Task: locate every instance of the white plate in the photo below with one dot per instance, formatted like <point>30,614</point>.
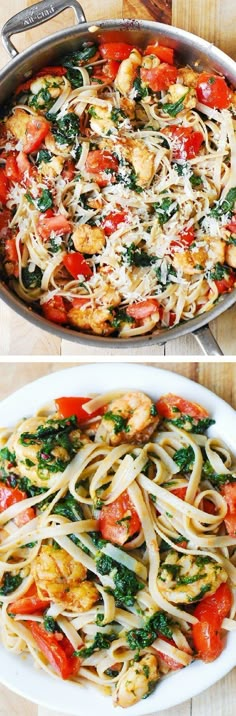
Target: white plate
<point>18,672</point>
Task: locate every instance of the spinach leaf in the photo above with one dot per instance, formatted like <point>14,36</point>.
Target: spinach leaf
<point>32,279</point>
<point>9,583</point>
<point>138,257</point>
<point>184,458</point>
<point>51,625</point>
<point>75,77</point>
<point>69,508</point>
<point>66,129</point>
<point>173,108</point>
<point>158,624</point>
<point>85,52</point>
<point>120,423</point>
<point>27,486</point>
<point>224,207</point>
<point>121,317</point>
<point>165,209</point>
<point>192,425</point>
<point>43,156</point>
<point>219,271</point>
<point>141,90</point>
<point>45,201</point>
<point>101,641</point>
<point>6,454</point>
<point>117,115</point>
<point>42,100</point>
<point>126,583</point>
<point>216,479</point>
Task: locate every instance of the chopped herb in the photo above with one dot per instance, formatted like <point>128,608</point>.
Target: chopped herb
<point>75,77</point>
<point>220,271</point>
<point>31,490</point>
<point>101,641</point>
<point>6,454</point>
<point>9,583</point>
<point>137,257</point>
<point>206,588</point>
<point>141,90</point>
<point>99,619</point>
<point>190,580</point>
<point>42,100</point>
<point>92,112</point>
<point>68,507</point>
<point>184,458</point>
<point>224,207</point>
<point>153,410</point>
<point>117,115</point>
<point>43,156</point>
<point>201,560</point>
<point>216,479</point>
<point>121,317</point>
<point>146,670</point>
<point>66,129</point>
<point>120,423</point>
<point>51,625</point>
<point>192,425</point>
<point>165,209</point>
<point>158,624</point>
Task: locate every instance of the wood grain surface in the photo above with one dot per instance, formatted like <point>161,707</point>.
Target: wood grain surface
<point>220,700</point>
<point>214,19</point>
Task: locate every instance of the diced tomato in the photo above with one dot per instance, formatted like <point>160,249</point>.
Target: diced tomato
<point>143,309</point>
<point>27,171</point>
<point>10,251</point>
<point>119,520</point>
<point>186,142</point>
<point>210,612</point>
<point>55,310</point>
<point>107,72</point>
<point>171,663</point>
<point>209,507</point>
<point>171,406</point>
<point>76,265</point>
<point>231,226</point>
<point>74,661</point>
<point>165,54</point>
<point>11,167</point>
<point>54,651</point>
<point>186,238</point>
<point>10,496</point>
<point>36,131</point>
<point>112,221</point>
<point>4,186</point>
<point>179,492</point>
<point>24,86</point>
<point>225,285</point>
<point>78,302</point>
<point>57,223</point>
<point>5,218</point>
<point>73,406</point>
<point>52,70</point>
<point>159,78</point>
<point>29,603</point>
<point>68,170</point>
<point>229,493</point>
<point>213,91</point>
<point>98,162</point>
<point>115,50</point>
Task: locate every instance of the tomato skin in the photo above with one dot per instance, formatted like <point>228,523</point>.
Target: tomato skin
<point>211,611</point>
<point>173,665</point>
<point>97,162</point>
<point>76,265</point>
<point>225,285</point>
<point>231,226</point>
<point>54,310</point>
<point>143,309</point>
<point>73,406</point>
<point>116,50</point>
<point>165,54</point>
<point>108,71</point>
<point>11,168</point>
<point>29,603</point>
<point>229,493</point>
<point>159,78</point>
<point>10,496</point>
<point>112,221</point>
<point>4,186</point>
<point>186,142</point>
<point>54,651</point>
<point>110,524</point>
<point>167,402</point>
<point>56,223</point>
<point>179,492</point>
<point>58,71</point>
<point>213,91</point>
<point>36,131</point>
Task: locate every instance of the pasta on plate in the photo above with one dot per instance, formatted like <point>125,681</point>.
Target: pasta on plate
<point>118,190</point>
<point>117,543</point>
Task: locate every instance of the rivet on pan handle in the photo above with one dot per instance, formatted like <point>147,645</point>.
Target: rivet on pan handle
<point>207,342</point>
<point>36,15</point>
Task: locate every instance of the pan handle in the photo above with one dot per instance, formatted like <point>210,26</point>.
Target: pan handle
<point>36,15</point>
<point>207,342</point>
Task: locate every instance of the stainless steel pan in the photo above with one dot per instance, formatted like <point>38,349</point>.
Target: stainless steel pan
<point>190,49</point>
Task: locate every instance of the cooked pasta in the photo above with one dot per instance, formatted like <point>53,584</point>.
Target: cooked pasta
<point>118,189</point>
<point>117,544</point>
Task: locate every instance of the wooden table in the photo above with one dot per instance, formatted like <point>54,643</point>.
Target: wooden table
<point>219,377</point>
<point>213,19</point>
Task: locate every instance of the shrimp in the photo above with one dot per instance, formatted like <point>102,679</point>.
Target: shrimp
<point>137,682</point>
<point>127,72</point>
<point>89,239</point>
<point>178,91</point>
<point>53,168</point>
<point>193,260</point>
<point>99,320</point>
<point>131,418</point>
<point>17,123</point>
<point>58,576</point>
<point>53,85</point>
<point>100,120</point>
<point>183,580</point>
<point>231,255</point>
<point>188,77</point>
<point>142,159</point>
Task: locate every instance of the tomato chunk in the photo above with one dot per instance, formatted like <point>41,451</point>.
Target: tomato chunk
<point>54,310</point>
<point>186,142</point>
<point>206,633</point>
<point>4,186</point>
<point>119,520</point>
<point>58,71</point>
<point>143,309</point>
<point>229,493</point>
<point>186,238</point>
<point>213,91</point>
<point>29,603</point>
<point>179,492</point>
<point>112,222</point>
<point>225,284</point>
<point>10,496</point>
<point>76,265</point>
<point>98,163</point>
<point>231,226</point>
<point>73,406</point>
<point>58,224</point>
<point>115,50</point>
<point>159,78</point>
<point>55,652</point>
<point>36,131</point>
<point>170,406</point>
<point>11,167</point>
<point>165,54</point>
<point>5,218</point>
<point>107,72</point>
<point>173,665</point>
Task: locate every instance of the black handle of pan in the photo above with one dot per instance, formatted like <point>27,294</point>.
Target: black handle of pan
<point>207,342</point>
<point>36,15</point>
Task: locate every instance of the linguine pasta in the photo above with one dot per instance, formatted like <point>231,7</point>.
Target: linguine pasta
<point>117,538</point>
<point>118,190</point>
